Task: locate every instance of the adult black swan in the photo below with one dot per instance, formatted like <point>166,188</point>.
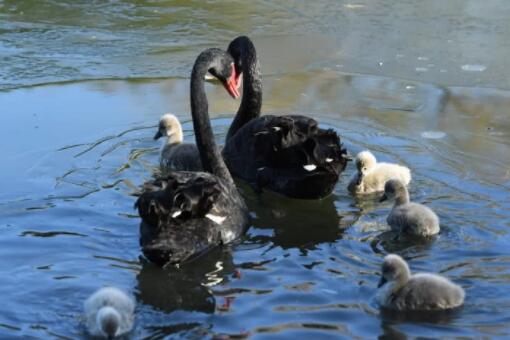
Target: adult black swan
<point>290,155</point>
<point>187,213</point>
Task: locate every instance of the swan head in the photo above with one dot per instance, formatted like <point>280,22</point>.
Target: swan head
<point>365,161</point>
<point>108,320</point>
<point>170,127</point>
<point>224,69</point>
<point>240,48</point>
<point>394,270</point>
<point>395,189</point>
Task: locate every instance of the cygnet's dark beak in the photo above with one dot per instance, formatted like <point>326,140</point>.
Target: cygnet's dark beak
<point>360,178</point>
<point>382,281</point>
<point>158,135</point>
<point>383,198</point>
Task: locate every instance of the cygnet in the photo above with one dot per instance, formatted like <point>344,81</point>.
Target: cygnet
<point>109,313</point>
<point>407,217</point>
<point>401,291</point>
<point>371,175</point>
<point>176,155</point>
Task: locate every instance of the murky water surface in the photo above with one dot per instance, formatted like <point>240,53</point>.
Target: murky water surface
<point>421,83</point>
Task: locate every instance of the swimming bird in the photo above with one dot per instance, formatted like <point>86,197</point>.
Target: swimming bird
<point>176,155</point>
<point>109,313</point>
<point>407,217</point>
<point>399,290</point>
<point>372,175</point>
<point>187,213</point>
<point>290,154</point>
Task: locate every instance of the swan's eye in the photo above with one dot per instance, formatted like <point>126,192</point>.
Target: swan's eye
<point>213,73</point>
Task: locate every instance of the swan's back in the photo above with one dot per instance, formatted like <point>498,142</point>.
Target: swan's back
<point>427,291</point>
<point>375,180</point>
<point>176,155</point>
<point>383,172</point>
<point>413,218</point>
<point>180,157</point>
<point>186,214</point>
<point>287,154</point>
<point>104,302</point>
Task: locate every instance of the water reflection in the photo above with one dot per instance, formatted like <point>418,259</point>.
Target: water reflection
<point>436,317</point>
<point>390,320</point>
<point>308,268</point>
<point>187,287</point>
<point>299,224</point>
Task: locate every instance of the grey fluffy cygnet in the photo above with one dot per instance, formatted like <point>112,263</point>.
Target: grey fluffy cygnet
<point>372,175</point>
<point>407,217</point>
<point>109,313</point>
<point>176,155</point>
<point>399,290</point>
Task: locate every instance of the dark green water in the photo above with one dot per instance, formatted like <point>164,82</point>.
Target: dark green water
<point>83,84</point>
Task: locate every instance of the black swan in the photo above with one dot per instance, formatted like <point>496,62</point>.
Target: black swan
<point>176,155</point>
<point>290,155</point>
<point>187,213</point>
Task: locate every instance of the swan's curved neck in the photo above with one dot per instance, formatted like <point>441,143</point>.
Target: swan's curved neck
<point>209,152</point>
<point>175,136</point>
<point>251,102</point>
<point>402,198</point>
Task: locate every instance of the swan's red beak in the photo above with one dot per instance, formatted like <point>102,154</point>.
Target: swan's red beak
<point>232,84</point>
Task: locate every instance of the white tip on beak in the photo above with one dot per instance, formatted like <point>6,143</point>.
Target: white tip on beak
<point>310,167</point>
<point>277,128</point>
<point>215,218</point>
<point>329,160</point>
<point>177,213</point>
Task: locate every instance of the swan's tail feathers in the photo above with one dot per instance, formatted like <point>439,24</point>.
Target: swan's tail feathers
<point>180,196</point>
<point>196,198</point>
<point>329,151</point>
<point>297,141</point>
<point>153,207</point>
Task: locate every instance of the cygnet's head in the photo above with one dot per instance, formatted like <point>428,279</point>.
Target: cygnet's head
<point>170,127</point>
<point>395,189</point>
<point>365,161</point>
<point>394,269</point>
<point>108,320</point>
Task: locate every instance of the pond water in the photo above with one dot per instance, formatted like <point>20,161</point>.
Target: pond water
<point>420,83</point>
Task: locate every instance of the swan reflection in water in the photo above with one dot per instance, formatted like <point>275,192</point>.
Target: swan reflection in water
<point>390,319</point>
<point>296,223</point>
<point>185,288</point>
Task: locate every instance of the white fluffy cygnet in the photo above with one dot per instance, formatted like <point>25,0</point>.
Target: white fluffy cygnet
<point>407,217</point>
<point>371,175</point>
<point>176,155</point>
<point>399,290</point>
<point>109,313</point>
